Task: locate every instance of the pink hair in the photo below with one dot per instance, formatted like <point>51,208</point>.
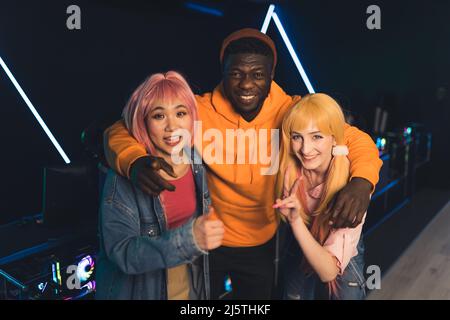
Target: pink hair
<point>163,88</point>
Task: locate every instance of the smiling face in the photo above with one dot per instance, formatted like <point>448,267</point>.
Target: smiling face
<point>164,122</point>
<point>312,148</point>
<point>246,80</point>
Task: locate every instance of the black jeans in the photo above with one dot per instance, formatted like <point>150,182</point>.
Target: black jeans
<point>251,270</point>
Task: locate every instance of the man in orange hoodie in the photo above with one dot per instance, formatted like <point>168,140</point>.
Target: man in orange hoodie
<point>242,195</point>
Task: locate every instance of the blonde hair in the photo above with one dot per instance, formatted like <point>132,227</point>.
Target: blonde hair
<point>325,113</point>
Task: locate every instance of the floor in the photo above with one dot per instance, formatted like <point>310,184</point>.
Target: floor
<point>423,270</point>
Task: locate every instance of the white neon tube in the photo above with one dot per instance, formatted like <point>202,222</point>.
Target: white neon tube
<point>33,110</point>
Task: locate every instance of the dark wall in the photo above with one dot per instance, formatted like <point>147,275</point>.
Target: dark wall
<point>407,58</point>
<point>75,78</point>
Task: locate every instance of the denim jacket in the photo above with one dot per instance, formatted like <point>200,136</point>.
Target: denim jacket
<point>299,286</point>
<point>136,248</point>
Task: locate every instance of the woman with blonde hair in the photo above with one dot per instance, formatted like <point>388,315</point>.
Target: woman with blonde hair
<point>323,262</point>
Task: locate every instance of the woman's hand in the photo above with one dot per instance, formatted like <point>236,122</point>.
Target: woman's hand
<point>208,231</point>
<point>289,206</point>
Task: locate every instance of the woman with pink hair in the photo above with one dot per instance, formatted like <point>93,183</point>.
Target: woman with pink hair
<point>153,247</point>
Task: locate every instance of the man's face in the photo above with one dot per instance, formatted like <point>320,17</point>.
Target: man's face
<point>246,80</point>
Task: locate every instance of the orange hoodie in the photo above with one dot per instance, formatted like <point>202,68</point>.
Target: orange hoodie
<point>241,196</point>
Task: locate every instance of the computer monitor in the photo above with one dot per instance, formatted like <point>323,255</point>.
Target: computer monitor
<point>70,195</point>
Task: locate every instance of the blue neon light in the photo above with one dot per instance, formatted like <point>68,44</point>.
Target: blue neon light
<point>204,9</point>
<point>292,52</point>
<point>378,143</point>
<point>228,286</point>
<point>42,286</point>
<point>288,44</point>
<point>55,280</point>
<point>11,279</point>
<point>267,19</point>
<point>33,110</point>
<point>387,216</point>
<point>389,186</point>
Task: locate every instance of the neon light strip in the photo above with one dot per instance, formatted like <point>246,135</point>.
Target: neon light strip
<point>387,216</point>
<point>55,280</point>
<point>14,281</point>
<point>386,188</point>
<point>292,52</point>
<point>33,110</point>
<point>288,44</point>
<point>58,272</point>
<point>204,9</point>
<point>267,19</point>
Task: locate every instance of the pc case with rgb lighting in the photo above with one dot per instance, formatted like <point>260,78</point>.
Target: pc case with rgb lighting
<point>63,274</point>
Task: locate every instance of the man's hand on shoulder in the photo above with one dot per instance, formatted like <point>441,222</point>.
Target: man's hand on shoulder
<point>350,204</point>
<point>144,174</point>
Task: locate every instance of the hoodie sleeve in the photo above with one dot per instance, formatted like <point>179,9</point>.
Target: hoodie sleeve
<point>121,149</point>
<point>363,155</point>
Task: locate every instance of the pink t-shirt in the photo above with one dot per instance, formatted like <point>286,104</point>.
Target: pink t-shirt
<point>179,205</point>
<point>342,243</point>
